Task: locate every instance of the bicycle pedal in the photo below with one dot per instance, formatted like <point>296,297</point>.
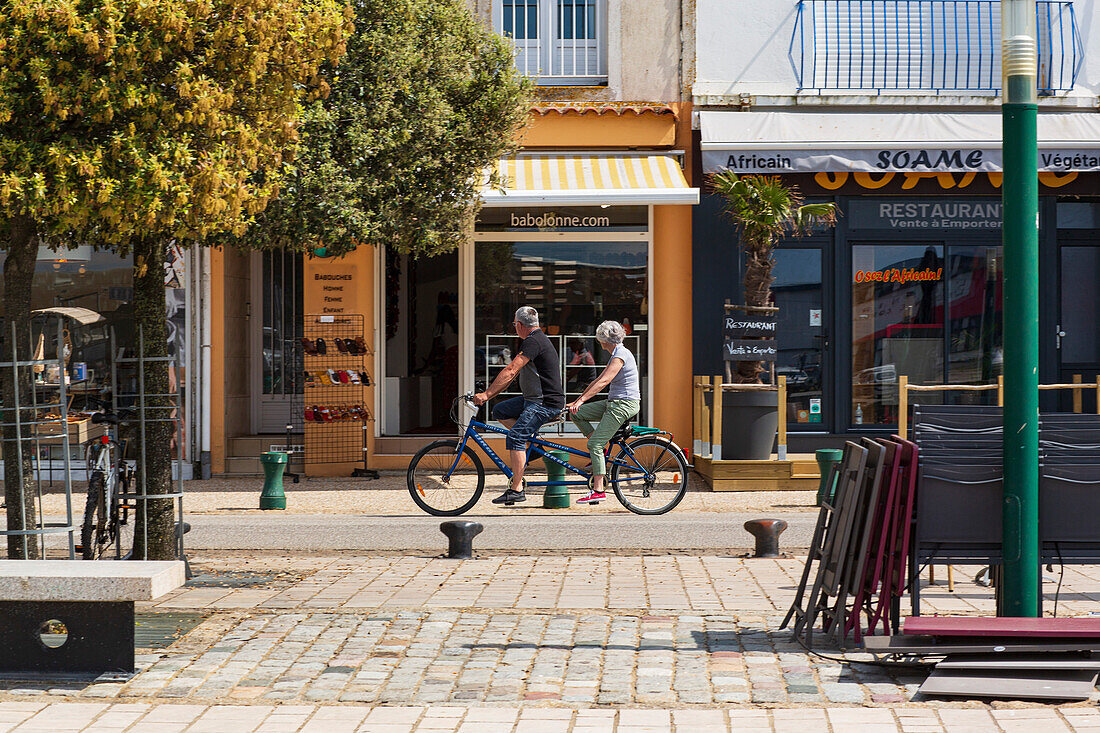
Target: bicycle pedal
<point>509,503</point>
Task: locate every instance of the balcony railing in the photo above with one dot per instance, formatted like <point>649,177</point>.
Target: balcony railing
<point>558,42</point>
<point>928,45</point>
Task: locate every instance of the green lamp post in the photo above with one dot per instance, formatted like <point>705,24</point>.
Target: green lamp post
<point>1020,231</point>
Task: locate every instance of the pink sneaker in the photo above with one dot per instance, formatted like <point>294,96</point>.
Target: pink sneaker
<point>593,497</point>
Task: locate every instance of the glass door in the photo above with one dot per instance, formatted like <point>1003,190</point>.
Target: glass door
<point>277,364</point>
<point>1077,338</point>
<point>803,338</point>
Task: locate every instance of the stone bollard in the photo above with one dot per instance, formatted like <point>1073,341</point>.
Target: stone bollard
<point>766,532</point>
<point>460,538</point>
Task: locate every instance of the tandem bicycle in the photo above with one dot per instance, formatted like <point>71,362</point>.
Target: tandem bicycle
<point>647,471</point>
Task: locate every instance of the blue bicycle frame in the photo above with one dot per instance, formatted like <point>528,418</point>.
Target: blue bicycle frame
<point>535,449</point>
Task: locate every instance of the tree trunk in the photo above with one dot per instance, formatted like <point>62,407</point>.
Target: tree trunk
<point>154,518</point>
<point>19,493</point>
<point>758,287</point>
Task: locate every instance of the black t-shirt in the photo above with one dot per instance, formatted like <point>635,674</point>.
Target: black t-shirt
<point>540,379</point>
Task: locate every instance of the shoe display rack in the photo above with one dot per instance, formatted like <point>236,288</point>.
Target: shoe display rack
<point>337,377</point>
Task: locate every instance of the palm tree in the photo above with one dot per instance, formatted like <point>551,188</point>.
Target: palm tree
<point>766,211</point>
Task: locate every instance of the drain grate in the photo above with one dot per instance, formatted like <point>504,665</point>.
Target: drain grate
<point>159,630</point>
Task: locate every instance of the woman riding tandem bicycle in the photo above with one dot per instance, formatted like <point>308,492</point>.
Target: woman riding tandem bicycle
<point>644,467</point>
<point>624,400</point>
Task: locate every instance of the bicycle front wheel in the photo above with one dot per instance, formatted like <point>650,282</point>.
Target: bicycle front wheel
<point>444,481</point>
<point>94,532</point>
<point>650,477</point>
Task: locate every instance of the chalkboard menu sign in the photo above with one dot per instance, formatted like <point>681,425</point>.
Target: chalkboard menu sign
<point>749,338</point>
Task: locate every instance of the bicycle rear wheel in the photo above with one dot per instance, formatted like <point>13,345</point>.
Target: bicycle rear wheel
<point>659,480</point>
<point>444,482</point>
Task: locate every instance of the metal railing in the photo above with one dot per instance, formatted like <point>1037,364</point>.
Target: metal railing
<point>557,42</point>
<point>926,45</point>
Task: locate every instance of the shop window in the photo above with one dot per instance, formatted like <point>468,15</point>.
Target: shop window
<point>897,325</point>
<point>973,286</point>
<point>102,282</point>
<point>931,317</point>
<point>574,286</point>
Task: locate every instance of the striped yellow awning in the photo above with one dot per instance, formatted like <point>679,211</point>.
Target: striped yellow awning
<point>578,180</point>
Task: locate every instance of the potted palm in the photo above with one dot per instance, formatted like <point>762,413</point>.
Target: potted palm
<point>764,211</point>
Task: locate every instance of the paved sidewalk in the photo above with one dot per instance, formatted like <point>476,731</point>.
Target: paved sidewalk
<point>151,718</point>
<point>532,643</point>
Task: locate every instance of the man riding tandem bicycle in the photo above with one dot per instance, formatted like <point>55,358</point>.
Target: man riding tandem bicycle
<point>647,471</point>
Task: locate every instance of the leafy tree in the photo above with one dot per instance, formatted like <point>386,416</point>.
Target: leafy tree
<point>130,123</point>
<point>425,101</point>
<point>765,210</point>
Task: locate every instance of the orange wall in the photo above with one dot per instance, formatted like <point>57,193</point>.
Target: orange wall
<point>670,318</point>
<point>609,130</point>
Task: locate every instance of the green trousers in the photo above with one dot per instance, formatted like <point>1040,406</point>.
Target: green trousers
<point>611,414</point>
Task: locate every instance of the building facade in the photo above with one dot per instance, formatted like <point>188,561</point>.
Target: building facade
<point>593,222</point>
<point>890,109</point>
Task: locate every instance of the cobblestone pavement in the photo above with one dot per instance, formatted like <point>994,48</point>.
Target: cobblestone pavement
<point>672,583</point>
<point>23,717</point>
<point>533,643</point>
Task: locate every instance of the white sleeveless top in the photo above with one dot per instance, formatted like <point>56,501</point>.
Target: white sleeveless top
<point>625,384</point>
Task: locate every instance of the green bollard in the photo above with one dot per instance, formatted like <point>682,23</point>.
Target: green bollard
<point>826,457</point>
<point>556,497</point>
<point>273,497</point>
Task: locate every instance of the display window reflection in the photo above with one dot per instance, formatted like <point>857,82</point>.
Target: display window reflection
<point>574,286</point>
<point>974,311</point>
<point>897,325</point>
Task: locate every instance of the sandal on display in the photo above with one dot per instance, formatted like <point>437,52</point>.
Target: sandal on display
<point>321,348</point>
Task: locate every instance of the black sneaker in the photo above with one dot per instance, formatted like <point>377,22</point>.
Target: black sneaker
<point>510,497</point>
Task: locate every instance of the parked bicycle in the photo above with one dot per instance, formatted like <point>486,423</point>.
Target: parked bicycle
<point>646,469</point>
<point>109,475</point>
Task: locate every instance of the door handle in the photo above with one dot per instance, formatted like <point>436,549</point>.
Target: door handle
<point>1058,336</point>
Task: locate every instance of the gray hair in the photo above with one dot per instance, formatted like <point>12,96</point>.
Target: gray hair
<point>611,332</point>
<point>528,316</point>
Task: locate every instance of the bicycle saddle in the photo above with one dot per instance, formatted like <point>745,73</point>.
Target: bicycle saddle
<point>105,417</point>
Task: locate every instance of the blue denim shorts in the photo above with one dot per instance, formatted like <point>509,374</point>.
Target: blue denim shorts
<point>529,417</point>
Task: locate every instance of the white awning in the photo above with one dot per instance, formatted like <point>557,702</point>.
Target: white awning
<point>793,142</point>
<point>82,316</point>
<point>590,179</point>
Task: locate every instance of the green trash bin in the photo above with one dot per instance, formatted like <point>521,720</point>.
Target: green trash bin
<point>274,464</point>
<point>556,497</point>
<point>826,457</point>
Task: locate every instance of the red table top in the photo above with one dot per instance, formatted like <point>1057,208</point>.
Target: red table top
<point>1001,626</point>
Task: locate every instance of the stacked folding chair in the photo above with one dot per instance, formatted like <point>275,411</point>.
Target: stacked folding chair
<point>888,548</point>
